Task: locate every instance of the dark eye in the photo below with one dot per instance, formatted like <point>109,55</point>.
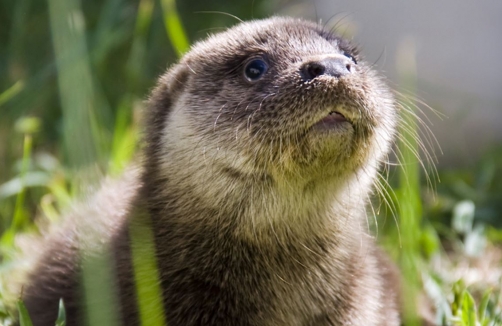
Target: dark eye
<point>350,56</point>
<point>255,69</point>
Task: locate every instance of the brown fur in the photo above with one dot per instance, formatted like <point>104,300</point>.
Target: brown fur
<point>258,217</point>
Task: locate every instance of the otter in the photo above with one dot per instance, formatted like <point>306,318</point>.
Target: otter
<point>262,146</point>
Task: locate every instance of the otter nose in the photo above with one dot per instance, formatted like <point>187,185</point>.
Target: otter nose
<point>333,66</point>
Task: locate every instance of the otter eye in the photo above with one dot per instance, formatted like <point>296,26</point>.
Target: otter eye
<point>350,56</point>
<point>255,69</point>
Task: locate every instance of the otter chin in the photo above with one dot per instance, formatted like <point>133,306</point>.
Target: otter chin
<point>262,148</point>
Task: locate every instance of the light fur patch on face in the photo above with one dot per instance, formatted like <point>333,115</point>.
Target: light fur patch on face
<point>198,163</point>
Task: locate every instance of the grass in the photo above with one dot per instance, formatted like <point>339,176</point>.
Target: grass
<point>70,112</point>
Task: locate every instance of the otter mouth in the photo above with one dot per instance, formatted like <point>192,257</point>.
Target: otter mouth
<point>333,120</point>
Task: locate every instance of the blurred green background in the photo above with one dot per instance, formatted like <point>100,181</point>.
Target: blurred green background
<point>73,78</point>
<point>110,56</point>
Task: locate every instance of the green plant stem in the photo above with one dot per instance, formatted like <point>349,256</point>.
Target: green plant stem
<point>11,92</point>
<point>75,83</point>
<point>174,29</point>
<point>408,192</point>
<point>146,275</point>
<point>19,219</point>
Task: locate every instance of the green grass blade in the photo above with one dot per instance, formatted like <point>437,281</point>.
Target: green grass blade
<point>20,218</point>
<point>174,29</point>
<point>408,192</point>
<point>11,92</point>
<point>74,81</point>
<point>144,18</point>
<point>468,309</point>
<point>24,317</point>
<point>483,306</point>
<point>101,299</point>
<point>146,274</point>
<point>139,48</point>
<point>61,320</point>
<point>125,138</point>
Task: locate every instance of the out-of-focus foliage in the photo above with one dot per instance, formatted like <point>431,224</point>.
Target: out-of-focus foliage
<point>121,45</point>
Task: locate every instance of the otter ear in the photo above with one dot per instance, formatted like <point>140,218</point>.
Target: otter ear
<point>175,79</point>
<point>169,87</point>
<point>164,95</point>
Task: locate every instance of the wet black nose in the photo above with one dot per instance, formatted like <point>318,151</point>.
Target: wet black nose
<point>334,67</point>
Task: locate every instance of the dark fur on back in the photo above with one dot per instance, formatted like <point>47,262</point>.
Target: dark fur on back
<point>258,217</point>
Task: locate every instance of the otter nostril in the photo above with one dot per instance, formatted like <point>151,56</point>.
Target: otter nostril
<point>331,66</point>
<point>313,70</point>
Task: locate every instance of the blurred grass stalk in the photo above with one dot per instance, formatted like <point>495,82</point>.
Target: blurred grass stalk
<point>20,218</point>
<point>125,132</point>
<point>174,29</point>
<point>75,83</point>
<point>408,191</point>
<point>81,132</point>
<point>11,92</point>
<point>146,275</point>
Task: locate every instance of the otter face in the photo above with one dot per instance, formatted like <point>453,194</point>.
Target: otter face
<point>281,96</point>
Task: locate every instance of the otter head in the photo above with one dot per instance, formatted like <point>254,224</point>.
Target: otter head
<point>280,99</point>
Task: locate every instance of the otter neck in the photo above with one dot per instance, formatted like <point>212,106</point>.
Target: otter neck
<point>258,206</point>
